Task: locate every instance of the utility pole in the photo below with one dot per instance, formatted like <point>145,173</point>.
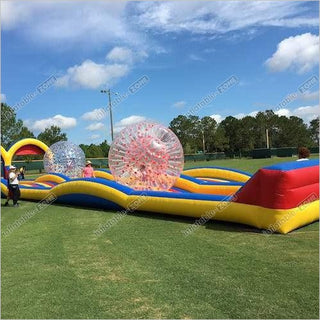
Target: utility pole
<point>110,110</point>
<point>267,138</point>
<point>203,143</point>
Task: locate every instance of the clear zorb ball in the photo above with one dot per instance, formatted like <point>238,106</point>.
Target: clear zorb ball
<point>146,156</point>
<point>64,157</point>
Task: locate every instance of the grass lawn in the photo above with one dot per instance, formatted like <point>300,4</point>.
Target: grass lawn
<point>54,266</point>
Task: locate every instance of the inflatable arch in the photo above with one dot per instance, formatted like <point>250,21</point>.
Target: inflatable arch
<point>28,146</point>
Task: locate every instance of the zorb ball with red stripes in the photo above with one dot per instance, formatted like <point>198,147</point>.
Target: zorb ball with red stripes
<point>146,156</point>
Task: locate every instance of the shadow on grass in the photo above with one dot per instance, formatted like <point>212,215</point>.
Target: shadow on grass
<point>216,225</point>
<point>187,221</point>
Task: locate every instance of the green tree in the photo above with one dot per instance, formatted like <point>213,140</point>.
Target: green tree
<point>84,148</point>
<point>180,126</point>
<point>247,132</point>
<point>232,128</point>
<point>188,130</point>
<point>52,135</point>
<point>187,149</point>
<point>25,133</point>
<point>94,151</point>
<point>314,131</point>
<point>208,129</point>
<point>105,148</point>
<point>12,129</point>
<point>265,120</point>
<point>292,132</point>
<point>221,141</point>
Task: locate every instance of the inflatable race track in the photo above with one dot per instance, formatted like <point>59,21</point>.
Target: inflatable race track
<point>278,198</point>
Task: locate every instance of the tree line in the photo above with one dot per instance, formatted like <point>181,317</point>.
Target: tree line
<point>239,135</point>
<point>96,151</point>
<point>195,134</point>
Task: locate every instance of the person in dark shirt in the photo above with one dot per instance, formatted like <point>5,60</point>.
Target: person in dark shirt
<point>303,154</point>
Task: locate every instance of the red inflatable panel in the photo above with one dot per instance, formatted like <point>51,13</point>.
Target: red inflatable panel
<point>278,189</point>
<point>28,150</point>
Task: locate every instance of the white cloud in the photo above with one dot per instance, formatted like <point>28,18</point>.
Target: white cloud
<point>253,113</point>
<point>310,96</point>
<point>120,54</point>
<point>195,57</point>
<point>179,104</point>
<point>239,115</point>
<point>217,117</point>
<point>94,115</point>
<point>283,112</point>
<point>209,50</point>
<point>13,14</point>
<point>58,120</point>
<point>53,22</point>
<point>218,17</point>
<point>91,75</point>
<point>113,22</point>
<point>242,115</point>
<point>307,113</point>
<point>3,97</point>
<point>299,53</point>
<point>127,55</point>
<point>94,136</point>
<point>95,126</point>
<point>127,121</point>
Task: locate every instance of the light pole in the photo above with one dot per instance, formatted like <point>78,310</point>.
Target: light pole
<point>267,138</point>
<point>110,109</point>
<point>203,143</point>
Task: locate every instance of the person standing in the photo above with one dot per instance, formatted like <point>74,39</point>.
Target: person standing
<point>303,154</point>
<point>22,171</point>
<point>9,195</point>
<point>88,171</point>
<point>13,186</point>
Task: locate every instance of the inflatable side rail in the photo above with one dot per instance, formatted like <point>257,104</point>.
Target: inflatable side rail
<point>194,185</point>
<point>53,177</point>
<point>218,172</point>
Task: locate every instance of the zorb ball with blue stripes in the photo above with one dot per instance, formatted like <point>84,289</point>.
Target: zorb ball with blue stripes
<point>66,158</point>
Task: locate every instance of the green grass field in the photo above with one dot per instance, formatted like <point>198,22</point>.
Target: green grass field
<point>54,266</point>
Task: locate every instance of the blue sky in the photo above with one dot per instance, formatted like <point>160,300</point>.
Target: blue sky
<point>186,49</point>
